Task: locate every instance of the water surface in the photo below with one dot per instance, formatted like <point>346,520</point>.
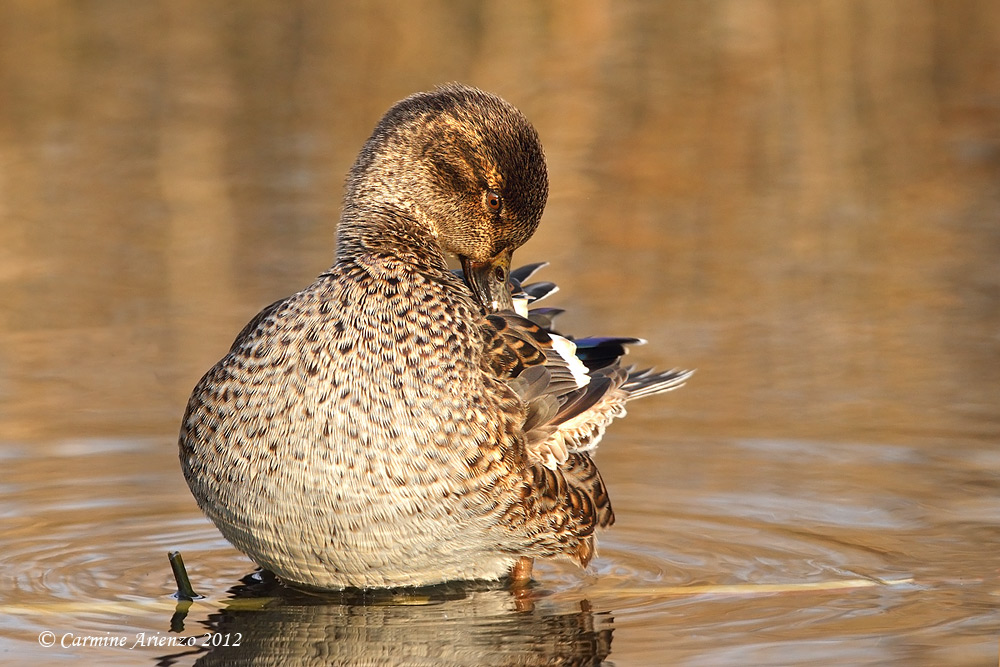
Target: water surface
<point>801,200</point>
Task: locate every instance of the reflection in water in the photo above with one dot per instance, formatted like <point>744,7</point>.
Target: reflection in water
<point>728,561</point>
<point>443,625</point>
<point>800,199</point>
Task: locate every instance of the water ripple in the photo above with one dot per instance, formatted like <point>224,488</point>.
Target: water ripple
<point>87,531</point>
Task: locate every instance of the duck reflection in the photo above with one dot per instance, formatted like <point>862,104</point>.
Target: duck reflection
<point>452,624</point>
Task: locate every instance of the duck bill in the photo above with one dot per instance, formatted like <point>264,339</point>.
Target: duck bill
<point>489,281</point>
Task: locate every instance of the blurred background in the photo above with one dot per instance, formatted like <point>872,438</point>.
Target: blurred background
<point>799,199</point>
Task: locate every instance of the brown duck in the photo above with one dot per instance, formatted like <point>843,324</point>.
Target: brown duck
<point>400,424</point>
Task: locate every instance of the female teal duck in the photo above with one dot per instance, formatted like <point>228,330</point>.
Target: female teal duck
<point>399,424</point>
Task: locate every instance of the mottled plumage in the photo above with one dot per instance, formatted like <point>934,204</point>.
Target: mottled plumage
<point>398,424</point>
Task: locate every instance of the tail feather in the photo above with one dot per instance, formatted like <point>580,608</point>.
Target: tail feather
<point>649,382</point>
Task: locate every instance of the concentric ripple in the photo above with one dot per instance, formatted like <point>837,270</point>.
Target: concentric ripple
<point>712,564</point>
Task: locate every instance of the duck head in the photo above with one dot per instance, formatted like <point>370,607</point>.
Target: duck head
<point>455,170</point>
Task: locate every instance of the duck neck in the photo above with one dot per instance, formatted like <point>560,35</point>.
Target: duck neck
<point>390,232</point>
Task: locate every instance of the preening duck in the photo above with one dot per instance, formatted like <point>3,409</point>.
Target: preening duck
<point>400,424</point>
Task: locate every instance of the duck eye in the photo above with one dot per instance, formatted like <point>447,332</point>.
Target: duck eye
<point>499,274</point>
<point>493,201</point>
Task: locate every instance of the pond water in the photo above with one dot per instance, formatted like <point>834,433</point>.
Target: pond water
<point>800,200</point>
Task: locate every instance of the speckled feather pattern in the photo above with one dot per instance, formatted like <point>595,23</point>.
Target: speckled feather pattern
<point>377,428</point>
<point>337,449</point>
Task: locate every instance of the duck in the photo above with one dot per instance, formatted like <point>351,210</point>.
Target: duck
<point>399,423</point>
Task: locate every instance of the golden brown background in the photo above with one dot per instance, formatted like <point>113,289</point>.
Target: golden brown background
<point>801,199</point>
<point>798,198</point>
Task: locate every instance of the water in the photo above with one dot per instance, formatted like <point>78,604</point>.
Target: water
<point>799,199</point>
